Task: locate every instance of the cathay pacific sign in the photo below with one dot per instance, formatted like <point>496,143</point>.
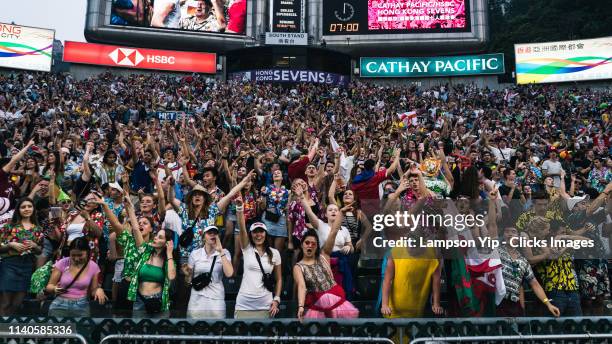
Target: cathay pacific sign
<point>413,67</point>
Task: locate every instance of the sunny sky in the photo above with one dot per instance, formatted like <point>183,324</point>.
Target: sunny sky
<point>66,17</point>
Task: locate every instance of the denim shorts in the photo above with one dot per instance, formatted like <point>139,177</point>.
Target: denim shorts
<point>276,229</point>
<point>139,310</point>
<point>64,307</point>
<point>568,302</point>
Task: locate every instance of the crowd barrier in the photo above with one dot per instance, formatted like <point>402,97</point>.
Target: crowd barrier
<point>95,330</point>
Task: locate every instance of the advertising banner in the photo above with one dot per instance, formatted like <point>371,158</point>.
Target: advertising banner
<point>281,38</point>
<point>172,115</point>
<point>25,47</point>
<point>413,67</point>
<point>585,59</point>
<point>287,15</point>
<point>115,56</point>
<point>367,17</point>
<point>407,15</point>
<point>286,75</point>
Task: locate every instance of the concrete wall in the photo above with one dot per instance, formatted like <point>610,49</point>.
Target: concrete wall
<point>81,72</point>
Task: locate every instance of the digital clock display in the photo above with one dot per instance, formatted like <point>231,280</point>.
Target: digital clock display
<point>340,27</point>
<point>353,17</point>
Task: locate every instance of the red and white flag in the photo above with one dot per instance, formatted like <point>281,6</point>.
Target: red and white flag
<point>409,118</point>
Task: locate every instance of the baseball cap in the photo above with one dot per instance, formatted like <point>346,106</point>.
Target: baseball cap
<point>211,228</point>
<point>571,203</point>
<point>258,225</point>
<point>115,186</point>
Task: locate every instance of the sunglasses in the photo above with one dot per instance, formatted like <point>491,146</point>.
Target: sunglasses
<point>310,243</point>
<point>65,202</point>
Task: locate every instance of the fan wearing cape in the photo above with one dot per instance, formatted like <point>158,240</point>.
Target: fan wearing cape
<point>476,280</point>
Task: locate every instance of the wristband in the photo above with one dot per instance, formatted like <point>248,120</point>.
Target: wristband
<point>546,300</point>
<point>240,209</point>
<point>277,299</point>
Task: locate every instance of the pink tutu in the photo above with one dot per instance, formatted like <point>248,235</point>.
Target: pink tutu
<point>345,310</point>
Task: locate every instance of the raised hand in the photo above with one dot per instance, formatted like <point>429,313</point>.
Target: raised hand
<point>494,194</point>
<point>169,248</point>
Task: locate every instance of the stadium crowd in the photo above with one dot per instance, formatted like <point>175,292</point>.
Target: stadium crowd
<point>263,182</point>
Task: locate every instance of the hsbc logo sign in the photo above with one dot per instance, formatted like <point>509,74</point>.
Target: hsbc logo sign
<point>141,58</point>
<point>126,57</point>
<point>133,57</point>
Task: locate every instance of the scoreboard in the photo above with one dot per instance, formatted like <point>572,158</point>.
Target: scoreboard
<point>358,17</point>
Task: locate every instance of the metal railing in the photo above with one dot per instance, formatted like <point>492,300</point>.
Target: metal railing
<point>76,336</point>
<point>276,339</point>
<point>555,337</point>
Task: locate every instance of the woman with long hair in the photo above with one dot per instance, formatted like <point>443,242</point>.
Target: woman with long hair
<point>249,195</point>
<point>342,249</point>
<point>154,272</point>
<point>123,247</point>
<point>110,170</point>
<point>22,240</point>
<point>296,214</point>
<point>31,175</point>
<point>413,153</point>
<point>355,221</point>
<point>259,294</point>
<point>273,201</point>
<point>72,279</point>
<point>85,221</point>
<point>54,163</point>
<point>153,264</point>
<point>318,292</point>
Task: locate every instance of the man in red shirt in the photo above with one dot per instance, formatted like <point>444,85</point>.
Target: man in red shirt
<point>365,184</point>
<point>297,169</point>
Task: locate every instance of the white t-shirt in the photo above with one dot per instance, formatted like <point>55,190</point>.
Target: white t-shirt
<point>200,262</point>
<point>502,153</point>
<point>343,236</point>
<point>253,296</point>
<point>553,167</point>
<point>173,221</point>
<point>346,166</point>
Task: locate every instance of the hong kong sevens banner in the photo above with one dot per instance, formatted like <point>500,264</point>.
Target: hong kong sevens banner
<point>585,59</point>
<point>287,75</point>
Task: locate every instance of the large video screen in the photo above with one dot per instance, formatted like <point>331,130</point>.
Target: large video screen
<point>350,17</point>
<point>218,16</point>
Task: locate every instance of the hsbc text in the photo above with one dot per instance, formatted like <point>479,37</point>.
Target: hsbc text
<point>160,59</point>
